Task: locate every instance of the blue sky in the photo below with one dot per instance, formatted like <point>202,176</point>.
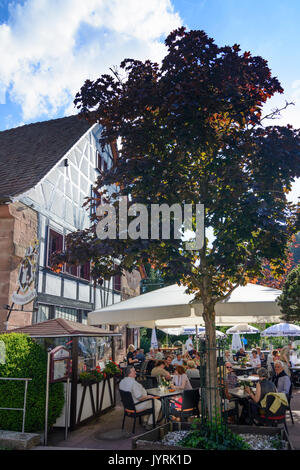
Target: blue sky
<point>49,47</point>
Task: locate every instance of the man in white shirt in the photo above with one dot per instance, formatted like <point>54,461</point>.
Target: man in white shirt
<point>189,345</point>
<point>139,394</point>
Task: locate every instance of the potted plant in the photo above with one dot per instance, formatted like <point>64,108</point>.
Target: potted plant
<point>112,368</point>
<point>91,377</point>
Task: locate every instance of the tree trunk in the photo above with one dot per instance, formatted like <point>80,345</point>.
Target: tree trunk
<point>213,398</point>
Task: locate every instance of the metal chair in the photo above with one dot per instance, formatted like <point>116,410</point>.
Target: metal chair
<point>131,412</point>
<point>149,382</point>
<point>289,397</point>
<point>266,417</point>
<point>188,407</point>
<point>196,382</point>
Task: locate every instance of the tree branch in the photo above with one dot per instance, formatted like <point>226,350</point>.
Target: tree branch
<point>275,114</point>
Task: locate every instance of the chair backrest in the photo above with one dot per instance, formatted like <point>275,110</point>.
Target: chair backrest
<point>279,416</point>
<point>195,382</point>
<point>151,382</point>
<point>127,400</point>
<point>150,366</point>
<point>190,399</point>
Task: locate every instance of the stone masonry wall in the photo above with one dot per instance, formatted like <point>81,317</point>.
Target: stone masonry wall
<point>18,228</point>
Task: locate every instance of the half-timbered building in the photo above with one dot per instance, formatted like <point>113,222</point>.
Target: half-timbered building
<point>47,169</point>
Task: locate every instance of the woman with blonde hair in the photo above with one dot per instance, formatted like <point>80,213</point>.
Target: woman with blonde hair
<point>191,370</point>
<point>130,355</point>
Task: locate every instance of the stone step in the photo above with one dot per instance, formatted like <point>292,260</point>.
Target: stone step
<point>18,440</point>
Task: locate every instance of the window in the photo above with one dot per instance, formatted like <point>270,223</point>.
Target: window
<point>85,271</point>
<point>71,269</point>
<point>117,282</point>
<point>55,243</point>
<point>96,200</point>
<point>43,314</point>
<point>66,313</point>
<point>98,161</point>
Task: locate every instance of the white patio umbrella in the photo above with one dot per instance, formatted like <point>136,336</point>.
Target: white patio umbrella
<point>154,343</point>
<point>236,343</point>
<point>219,334</point>
<point>242,329</point>
<point>193,330</point>
<point>173,331</point>
<point>171,307</point>
<point>282,329</point>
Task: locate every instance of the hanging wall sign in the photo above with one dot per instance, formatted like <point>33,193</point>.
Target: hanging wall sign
<point>26,291</point>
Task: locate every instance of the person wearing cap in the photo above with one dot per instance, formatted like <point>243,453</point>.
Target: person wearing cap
<point>263,386</point>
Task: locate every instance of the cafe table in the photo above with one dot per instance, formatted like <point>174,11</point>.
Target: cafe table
<point>247,370</point>
<point>239,392</point>
<point>163,396</point>
<point>248,378</point>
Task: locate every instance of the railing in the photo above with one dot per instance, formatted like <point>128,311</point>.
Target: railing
<point>25,397</point>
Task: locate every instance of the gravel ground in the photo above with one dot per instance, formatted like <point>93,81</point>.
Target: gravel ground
<point>257,442</point>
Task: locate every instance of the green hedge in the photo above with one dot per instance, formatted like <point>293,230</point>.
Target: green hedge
<point>25,358</point>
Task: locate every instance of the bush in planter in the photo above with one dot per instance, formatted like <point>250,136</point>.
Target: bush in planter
<point>211,436</point>
<point>25,358</point>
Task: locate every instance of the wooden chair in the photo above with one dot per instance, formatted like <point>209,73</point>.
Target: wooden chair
<point>131,412</point>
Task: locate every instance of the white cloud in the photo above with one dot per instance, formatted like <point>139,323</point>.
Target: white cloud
<point>50,47</point>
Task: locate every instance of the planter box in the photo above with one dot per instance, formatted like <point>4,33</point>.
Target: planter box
<point>150,440</point>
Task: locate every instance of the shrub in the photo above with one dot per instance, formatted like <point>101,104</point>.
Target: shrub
<point>26,359</point>
<point>213,436</point>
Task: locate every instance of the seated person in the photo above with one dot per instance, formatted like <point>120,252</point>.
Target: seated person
<point>254,359</point>
<point>139,394</point>
<point>140,355</point>
<point>285,358</point>
<point>260,354</point>
<point>263,386</point>
<point>281,379</point>
<point>197,359</point>
<point>231,379</point>
<point>159,356</point>
<point>191,370</point>
<point>181,380</point>
<point>159,370</point>
<point>168,365</point>
<point>150,354</point>
<point>240,353</point>
<point>177,361</point>
<point>272,358</point>
<point>131,356</point>
<point>228,357</point>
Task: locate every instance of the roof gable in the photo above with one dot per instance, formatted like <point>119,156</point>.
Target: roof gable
<point>28,153</point>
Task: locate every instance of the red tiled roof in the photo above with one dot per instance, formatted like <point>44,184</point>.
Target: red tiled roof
<point>61,327</point>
